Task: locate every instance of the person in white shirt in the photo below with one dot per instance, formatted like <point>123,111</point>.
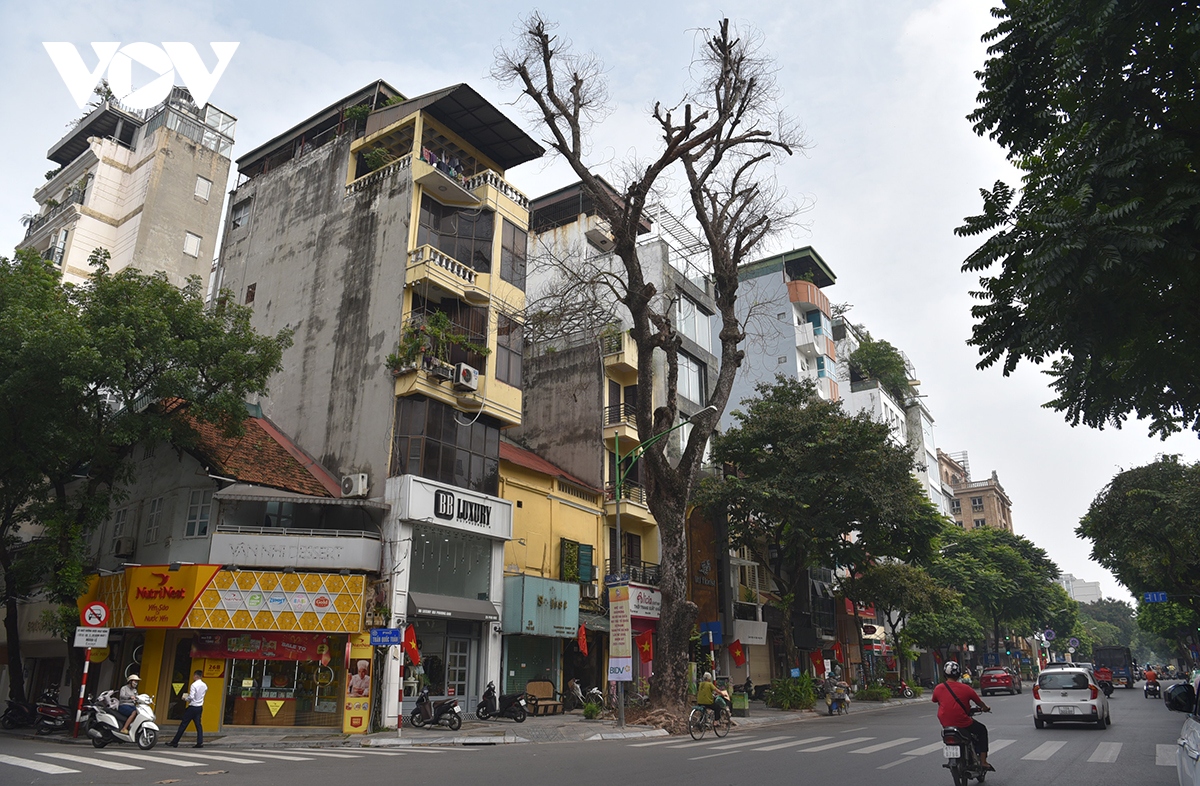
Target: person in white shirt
<point>195,708</point>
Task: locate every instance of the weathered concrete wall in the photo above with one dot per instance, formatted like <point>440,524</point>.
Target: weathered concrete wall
<point>330,267</point>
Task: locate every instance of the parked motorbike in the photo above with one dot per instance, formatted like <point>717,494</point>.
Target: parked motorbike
<point>104,724</point>
<point>51,716</point>
<point>575,696</point>
<point>1152,690</point>
<point>436,713</point>
<point>19,714</point>
<point>959,751</point>
<point>512,705</point>
<point>899,690</point>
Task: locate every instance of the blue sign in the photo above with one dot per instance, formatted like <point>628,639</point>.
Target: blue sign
<point>795,672</point>
<point>614,579</point>
<point>385,637</point>
<point>1025,659</point>
<point>710,633</point>
<point>1154,597</point>
<point>993,658</point>
<point>1074,642</point>
<point>541,607</point>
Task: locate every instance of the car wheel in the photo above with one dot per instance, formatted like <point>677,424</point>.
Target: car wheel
<point>1012,691</point>
<point>1038,723</point>
<point>1102,724</point>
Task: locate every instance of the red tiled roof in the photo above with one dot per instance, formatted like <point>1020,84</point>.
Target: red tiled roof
<point>524,458</point>
<point>263,455</point>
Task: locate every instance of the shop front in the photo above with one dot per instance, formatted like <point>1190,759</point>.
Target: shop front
<point>540,616</point>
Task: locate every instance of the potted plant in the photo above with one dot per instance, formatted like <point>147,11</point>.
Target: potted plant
<point>430,338</point>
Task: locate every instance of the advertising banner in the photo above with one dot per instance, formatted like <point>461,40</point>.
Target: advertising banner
<point>644,602</point>
<point>263,645</point>
<point>159,597</point>
<point>359,653</point>
<point>620,635</point>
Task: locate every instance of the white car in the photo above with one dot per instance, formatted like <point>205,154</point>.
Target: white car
<point>1069,695</point>
<point>1182,698</point>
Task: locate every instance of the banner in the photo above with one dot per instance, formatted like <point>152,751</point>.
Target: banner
<point>645,645</point>
<point>581,637</point>
<point>159,597</point>
<point>359,654</point>
<point>263,646</point>
<point>837,653</point>
<point>620,635</point>
<point>818,663</point>
<point>739,654</point>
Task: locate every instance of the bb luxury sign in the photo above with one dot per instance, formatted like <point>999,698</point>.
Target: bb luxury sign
<point>450,506</point>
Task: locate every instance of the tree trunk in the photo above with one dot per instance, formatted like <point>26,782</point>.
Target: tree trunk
<point>669,687</point>
<point>12,628</point>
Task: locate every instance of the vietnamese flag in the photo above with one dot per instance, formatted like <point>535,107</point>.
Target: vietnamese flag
<point>645,645</point>
<point>837,652</point>
<point>582,636</point>
<point>738,653</point>
<point>818,663</point>
<point>410,645</point>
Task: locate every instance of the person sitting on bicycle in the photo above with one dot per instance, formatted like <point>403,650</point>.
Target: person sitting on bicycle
<point>709,695</point>
<point>953,700</point>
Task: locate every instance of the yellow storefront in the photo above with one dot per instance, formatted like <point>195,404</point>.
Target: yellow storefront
<point>279,649</point>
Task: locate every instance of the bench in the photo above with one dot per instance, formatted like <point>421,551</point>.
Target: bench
<point>540,695</point>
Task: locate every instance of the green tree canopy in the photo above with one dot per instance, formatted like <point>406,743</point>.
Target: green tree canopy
<point>943,629</point>
<point>1110,613</point>
<point>1171,624</point>
<point>900,590</point>
<point>879,360</point>
<point>1096,104</point>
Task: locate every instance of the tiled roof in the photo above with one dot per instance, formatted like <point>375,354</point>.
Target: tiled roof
<point>263,455</point>
<point>524,458</point>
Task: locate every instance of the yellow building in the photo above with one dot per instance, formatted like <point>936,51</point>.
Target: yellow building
<point>552,573</point>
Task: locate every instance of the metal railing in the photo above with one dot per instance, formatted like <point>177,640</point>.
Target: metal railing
<point>239,529</point>
<point>630,492</point>
<point>639,571</point>
<point>617,414</point>
<point>73,196</point>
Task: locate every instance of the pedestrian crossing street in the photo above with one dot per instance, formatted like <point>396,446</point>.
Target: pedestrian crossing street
<point>60,763</point>
<point>899,749</point>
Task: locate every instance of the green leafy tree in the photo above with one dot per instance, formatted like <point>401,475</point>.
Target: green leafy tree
<point>136,352</point>
<point>1111,612</point>
<point>1135,517</point>
<point>1172,623</point>
<point>941,630</point>
<point>806,477</point>
<point>900,590</point>
<point>1096,104</point>
<point>879,360</point>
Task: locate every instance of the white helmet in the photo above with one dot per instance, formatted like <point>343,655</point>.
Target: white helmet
<point>952,669</point>
<point>133,678</point>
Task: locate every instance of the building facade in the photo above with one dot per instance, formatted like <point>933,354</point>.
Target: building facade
<point>1082,591</point>
<point>974,504</point>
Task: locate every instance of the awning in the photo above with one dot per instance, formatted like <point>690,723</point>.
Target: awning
<point>252,493</point>
<point>593,621</point>
<point>424,604</point>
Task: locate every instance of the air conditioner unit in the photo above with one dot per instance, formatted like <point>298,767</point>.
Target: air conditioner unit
<point>600,238</point>
<point>124,547</point>
<point>466,377</point>
<point>354,485</point>
<point>589,591</point>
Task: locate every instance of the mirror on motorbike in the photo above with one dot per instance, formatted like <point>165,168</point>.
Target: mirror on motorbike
<point>1180,698</point>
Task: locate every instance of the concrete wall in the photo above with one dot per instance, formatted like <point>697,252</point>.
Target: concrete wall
<point>332,268</point>
<point>760,302</point>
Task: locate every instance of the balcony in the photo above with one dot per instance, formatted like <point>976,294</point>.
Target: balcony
<point>634,508</point>
<point>620,421</point>
<point>427,264</point>
<point>72,197</point>
<point>479,185</point>
<point>808,295</point>
<point>620,352</point>
<point>443,184</point>
<point>638,571</point>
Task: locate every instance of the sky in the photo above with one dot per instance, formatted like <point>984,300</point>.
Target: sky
<point>881,89</point>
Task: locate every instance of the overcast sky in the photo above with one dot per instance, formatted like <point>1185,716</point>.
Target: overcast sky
<point>882,89</point>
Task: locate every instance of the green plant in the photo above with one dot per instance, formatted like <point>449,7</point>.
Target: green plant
<point>357,113</point>
<point>377,158</point>
<point>792,693</point>
<point>749,595</point>
<point>873,693</point>
<point>434,335</point>
<point>592,710</point>
<point>917,690</point>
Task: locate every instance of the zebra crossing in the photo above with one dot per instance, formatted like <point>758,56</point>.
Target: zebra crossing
<point>898,748</point>
<point>58,763</point>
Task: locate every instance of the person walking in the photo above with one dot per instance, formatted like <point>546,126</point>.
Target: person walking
<point>195,708</point>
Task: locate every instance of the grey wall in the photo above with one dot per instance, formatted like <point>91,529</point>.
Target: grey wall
<point>760,302</point>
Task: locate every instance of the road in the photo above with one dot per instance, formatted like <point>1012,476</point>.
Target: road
<point>898,746</point>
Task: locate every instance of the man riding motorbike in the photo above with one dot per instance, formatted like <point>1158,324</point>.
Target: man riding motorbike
<point>953,700</point>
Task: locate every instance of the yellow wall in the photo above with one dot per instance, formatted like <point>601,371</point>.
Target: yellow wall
<point>545,517</point>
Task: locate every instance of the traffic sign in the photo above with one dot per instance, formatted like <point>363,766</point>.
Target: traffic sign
<point>1048,634</point>
<point>91,637</point>
<point>385,637</point>
<point>1154,597</point>
<point>1074,642</point>
<point>94,615</point>
<point>1071,650</point>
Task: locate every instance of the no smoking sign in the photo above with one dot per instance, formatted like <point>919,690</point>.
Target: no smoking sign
<point>95,615</point>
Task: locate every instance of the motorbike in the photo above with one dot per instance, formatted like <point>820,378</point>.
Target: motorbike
<point>575,697</point>
<point>959,752</point>
<point>436,713</point>
<point>838,699</point>
<point>104,724</point>
<point>51,716</point>
<point>1152,690</point>
<point>512,705</point>
<point>19,714</point>
<point>899,690</point>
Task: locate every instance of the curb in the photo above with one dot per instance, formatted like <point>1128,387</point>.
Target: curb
<point>506,739</point>
<point>626,735</point>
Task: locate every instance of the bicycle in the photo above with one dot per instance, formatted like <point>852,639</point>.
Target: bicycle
<point>699,721</point>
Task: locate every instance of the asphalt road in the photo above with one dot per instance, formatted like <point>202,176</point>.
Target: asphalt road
<point>898,745</point>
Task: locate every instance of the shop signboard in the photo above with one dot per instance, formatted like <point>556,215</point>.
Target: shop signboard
<point>620,635</point>
<point>535,606</point>
<point>298,551</point>
<point>749,632</point>
<point>356,717</point>
<point>161,596</point>
<point>644,602</point>
<point>263,645</point>
<point>454,507</point>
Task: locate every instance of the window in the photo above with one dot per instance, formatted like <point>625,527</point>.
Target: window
<point>514,242</point>
<point>691,378</point>
<point>191,244</point>
<point>510,344</point>
<point>468,321</point>
<point>980,523</point>
<point>203,188</point>
<point>279,514</point>
<point>693,322</point>
<point>148,451</point>
<point>977,504</point>
<point>239,214</point>
<point>199,511</point>
<point>955,506</point>
<point>465,235</point>
<point>250,290</point>
<point>450,562</point>
<point>120,519</point>
<point>685,433</point>
<point>154,520</point>
<point>435,441</point>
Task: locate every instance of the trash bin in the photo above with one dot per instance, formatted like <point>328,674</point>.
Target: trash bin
<point>740,705</point>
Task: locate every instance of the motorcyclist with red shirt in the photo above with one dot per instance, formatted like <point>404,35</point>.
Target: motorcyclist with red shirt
<point>954,699</point>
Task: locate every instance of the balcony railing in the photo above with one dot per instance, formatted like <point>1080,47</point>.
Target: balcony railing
<point>53,254</point>
<point>404,162</point>
<point>620,413</point>
<point>630,492</point>
<point>491,178</point>
<point>639,571</point>
<point>444,261</point>
<point>73,197</point>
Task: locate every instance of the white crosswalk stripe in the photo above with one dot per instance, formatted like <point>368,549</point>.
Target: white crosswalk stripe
<point>937,746</point>
<point>156,758</point>
<point>1106,752</point>
<point>744,743</point>
<point>998,745</point>
<point>885,745</point>
<point>217,757</point>
<point>831,745</point>
<point>895,763</point>
<point>370,752</point>
<point>1044,751</point>
<point>32,764</point>
<point>105,765</point>
<point>274,756</point>
<point>699,743</point>
<point>792,744</point>
<point>667,741</point>
<point>311,752</point>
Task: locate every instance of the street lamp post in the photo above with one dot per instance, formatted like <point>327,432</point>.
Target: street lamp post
<point>619,481</point>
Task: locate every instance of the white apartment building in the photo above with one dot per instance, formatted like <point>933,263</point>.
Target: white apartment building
<point>1081,591</point>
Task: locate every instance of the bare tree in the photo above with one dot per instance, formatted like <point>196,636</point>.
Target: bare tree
<point>722,139</point>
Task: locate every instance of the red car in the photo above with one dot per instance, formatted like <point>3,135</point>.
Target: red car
<point>996,679</point>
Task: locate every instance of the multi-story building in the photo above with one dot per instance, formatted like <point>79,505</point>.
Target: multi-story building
<point>1082,591</point>
<point>974,504</point>
<point>383,232</point>
<point>582,386</point>
<point>145,185</point>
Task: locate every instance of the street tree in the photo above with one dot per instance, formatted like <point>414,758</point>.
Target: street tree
<point>1110,612</point>
<point>1172,623</point>
<point>900,590</point>
<point>1096,104</point>
<point>142,352</point>
<point>721,140</point>
<point>941,630</point>
<point>1143,528</point>
<point>811,486</point>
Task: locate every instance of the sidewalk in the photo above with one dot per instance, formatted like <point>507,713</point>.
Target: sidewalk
<point>569,727</point>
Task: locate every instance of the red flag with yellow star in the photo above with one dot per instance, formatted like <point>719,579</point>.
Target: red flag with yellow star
<point>410,646</point>
<point>581,637</point>
<point>738,652</point>
<point>645,645</point>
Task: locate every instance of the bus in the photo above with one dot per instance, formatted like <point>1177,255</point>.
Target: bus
<point>1119,660</point>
